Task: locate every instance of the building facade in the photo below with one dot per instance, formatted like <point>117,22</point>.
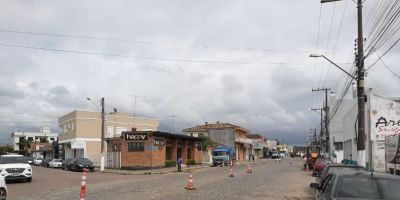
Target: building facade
<point>257,145</point>
<point>81,132</point>
<point>20,139</point>
<point>148,149</point>
<point>224,134</point>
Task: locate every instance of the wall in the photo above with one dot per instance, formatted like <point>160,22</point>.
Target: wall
<point>385,121</point>
<point>223,136</point>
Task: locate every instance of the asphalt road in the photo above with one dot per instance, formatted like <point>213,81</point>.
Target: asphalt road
<point>269,180</point>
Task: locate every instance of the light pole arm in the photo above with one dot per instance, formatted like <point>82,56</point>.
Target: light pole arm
<point>339,67</point>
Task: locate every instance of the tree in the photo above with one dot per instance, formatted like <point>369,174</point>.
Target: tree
<point>207,142</point>
<point>6,149</point>
<point>26,144</point>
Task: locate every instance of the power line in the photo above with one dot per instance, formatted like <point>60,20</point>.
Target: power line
<point>148,42</point>
<point>150,58</point>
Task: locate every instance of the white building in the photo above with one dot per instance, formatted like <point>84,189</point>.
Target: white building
<point>43,136</point>
<point>382,118</point>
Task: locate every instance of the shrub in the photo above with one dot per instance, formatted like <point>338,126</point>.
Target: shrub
<point>170,163</point>
<point>191,162</point>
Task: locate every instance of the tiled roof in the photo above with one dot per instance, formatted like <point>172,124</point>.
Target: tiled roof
<point>254,136</point>
<point>207,126</point>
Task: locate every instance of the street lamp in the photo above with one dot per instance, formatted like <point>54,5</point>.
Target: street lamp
<point>102,159</point>
<point>314,55</point>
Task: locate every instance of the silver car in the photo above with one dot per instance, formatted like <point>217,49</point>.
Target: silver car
<point>3,188</point>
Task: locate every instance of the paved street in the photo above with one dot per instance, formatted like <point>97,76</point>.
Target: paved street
<point>269,180</point>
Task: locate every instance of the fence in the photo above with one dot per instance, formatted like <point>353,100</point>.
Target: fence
<point>113,160</point>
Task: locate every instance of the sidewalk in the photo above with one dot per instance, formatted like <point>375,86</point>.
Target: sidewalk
<point>164,170</point>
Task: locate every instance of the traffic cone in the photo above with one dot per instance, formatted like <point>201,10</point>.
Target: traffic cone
<point>231,172</point>
<point>83,186</point>
<point>190,185</point>
<point>249,168</point>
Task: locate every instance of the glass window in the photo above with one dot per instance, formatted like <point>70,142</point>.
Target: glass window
<point>360,187</point>
<point>136,146</point>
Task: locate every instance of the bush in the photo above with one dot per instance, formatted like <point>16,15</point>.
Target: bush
<point>191,162</point>
<point>170,163</point>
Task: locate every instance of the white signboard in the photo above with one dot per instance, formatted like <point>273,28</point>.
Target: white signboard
<point>78,144</point>
<point>392,149</point>
<point>385,121</point>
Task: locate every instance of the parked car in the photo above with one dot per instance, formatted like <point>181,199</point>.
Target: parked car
<point>77,164</point>
<point>339,168</point>
<point>29,160</point>
<point>56,163</point>
<point>46,161</point>
<point>319,165</point>
<point>14,167</point>
<point>357,185</point>
<point>37,161</point>
<point>3,189</point>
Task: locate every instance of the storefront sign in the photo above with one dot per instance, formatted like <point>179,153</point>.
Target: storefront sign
<point>136,136</point>
<point>159,142</point>
<point>77,144</point>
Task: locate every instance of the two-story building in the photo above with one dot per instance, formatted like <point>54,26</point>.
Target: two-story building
<point>81,131</point>
<point>21,140</point>
<point>223,134</point>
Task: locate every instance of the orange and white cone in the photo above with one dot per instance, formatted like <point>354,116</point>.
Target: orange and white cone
<point>249,168</point>
<point>190,185</point>
<point>231,172</point>
<point>83,186</point>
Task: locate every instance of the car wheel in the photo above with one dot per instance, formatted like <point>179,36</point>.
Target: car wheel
<point>3,194</point>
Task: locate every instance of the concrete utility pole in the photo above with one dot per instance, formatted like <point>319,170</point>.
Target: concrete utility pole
<point>319,112</point>
<point>102,135</point>
<point>326,109</point>
<point>361,97</point>
<point>314,131</point>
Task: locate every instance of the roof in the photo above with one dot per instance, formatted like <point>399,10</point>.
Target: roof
<point>254,136</point>
<point>217,125</point>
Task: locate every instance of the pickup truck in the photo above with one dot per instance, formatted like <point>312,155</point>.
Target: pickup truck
<point>223,155</point>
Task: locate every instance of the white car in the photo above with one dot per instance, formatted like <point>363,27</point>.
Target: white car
<point>56,163</point>
<point>14,167</point>
<point>3,189</point>
<point>38,161</point>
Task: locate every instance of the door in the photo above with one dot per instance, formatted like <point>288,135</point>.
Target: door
<point>179,153</point>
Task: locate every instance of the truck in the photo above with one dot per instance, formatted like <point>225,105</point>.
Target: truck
<point>223,155</point>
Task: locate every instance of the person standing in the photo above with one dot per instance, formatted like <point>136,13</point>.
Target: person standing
<point>252,157</point>
<point>179,162</point>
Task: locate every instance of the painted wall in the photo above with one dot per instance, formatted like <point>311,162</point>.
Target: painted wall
<point>385,121</point>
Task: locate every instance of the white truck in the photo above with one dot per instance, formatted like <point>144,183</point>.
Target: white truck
<point>15,167</point>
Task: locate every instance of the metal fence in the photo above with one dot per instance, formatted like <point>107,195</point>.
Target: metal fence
<point>113,160</point>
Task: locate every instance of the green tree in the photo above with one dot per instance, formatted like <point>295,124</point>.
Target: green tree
<point>6,149</point>
<point>207,142</point>
<point>26,144</point>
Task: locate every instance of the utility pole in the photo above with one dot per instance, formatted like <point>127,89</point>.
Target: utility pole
<point>314,131</point>
<point>360,80</point>
<point>102,135</point>
<point>326,109</point>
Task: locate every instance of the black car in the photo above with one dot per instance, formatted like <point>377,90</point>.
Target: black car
<point>77,164</point>
<point>338,168</point>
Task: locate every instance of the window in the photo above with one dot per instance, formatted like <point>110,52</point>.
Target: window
<point>168,153</point>
<point>72,126</point>
<point>339,145</point>
<point>136,146</point>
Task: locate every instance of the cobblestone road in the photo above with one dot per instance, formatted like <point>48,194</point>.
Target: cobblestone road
<point>269,180</point>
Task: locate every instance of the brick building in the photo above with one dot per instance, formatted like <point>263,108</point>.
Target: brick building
<point>146,149</point>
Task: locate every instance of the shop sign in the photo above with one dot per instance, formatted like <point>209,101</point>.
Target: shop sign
<point>136,136</point>
<point>77,144</point>
<point>159,142</point>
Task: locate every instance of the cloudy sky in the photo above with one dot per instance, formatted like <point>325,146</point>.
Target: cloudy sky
<point>243,62</point>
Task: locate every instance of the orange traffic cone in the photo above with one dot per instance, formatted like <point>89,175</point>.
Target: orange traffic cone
<point>190,185</point>
<point>83,186</point>
<point>231,172</point>
<point>249,168</point>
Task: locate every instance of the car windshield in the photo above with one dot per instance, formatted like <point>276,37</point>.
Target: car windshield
<point>57,160</point>
<point>360,187</point>
<point>11,160</point>
<point>390,187</point>
<point>84,161</point>
<point>219,153</point>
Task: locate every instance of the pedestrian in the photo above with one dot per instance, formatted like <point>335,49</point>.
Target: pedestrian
<point>252,157</point>
<point>249,157</point>
<point>179,162</point>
